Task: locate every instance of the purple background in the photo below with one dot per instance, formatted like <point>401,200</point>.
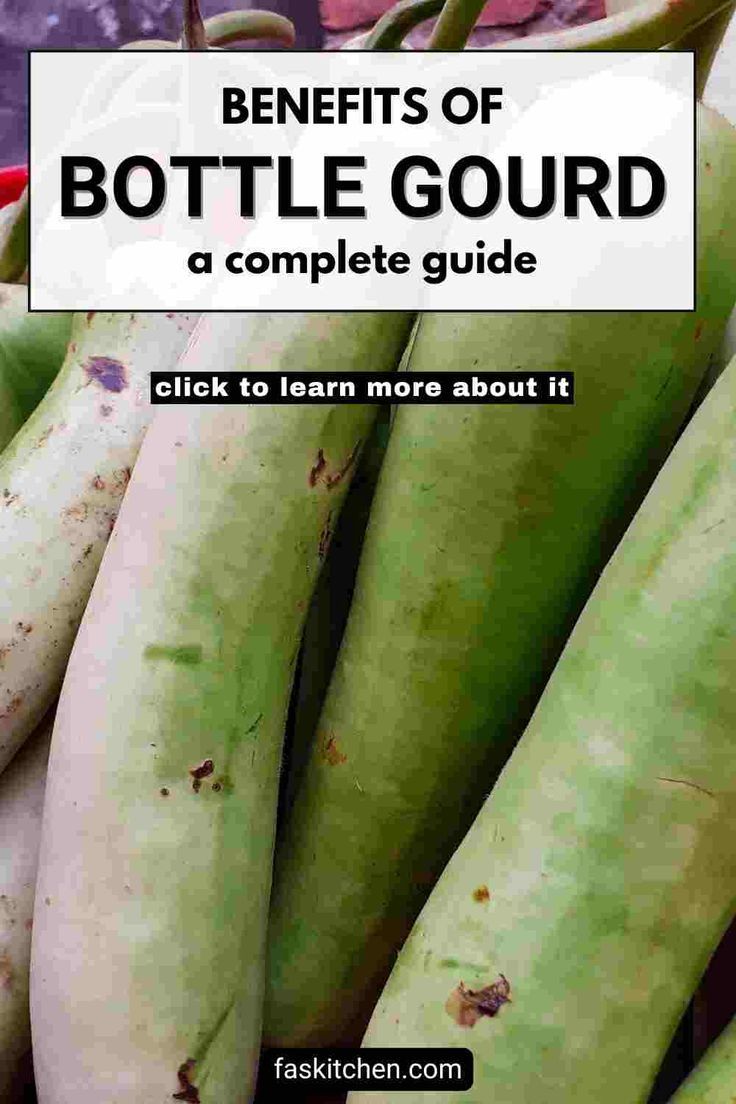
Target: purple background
<point>106,24</point>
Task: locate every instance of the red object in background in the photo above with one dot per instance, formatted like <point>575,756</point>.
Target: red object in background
<point>12,182</point>
<point>346,15</point>
<point>500,20</point>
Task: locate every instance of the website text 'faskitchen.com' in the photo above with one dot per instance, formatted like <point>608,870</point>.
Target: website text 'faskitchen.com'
<point>393,1068</point>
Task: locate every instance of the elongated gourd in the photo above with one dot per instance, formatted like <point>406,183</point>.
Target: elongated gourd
<point>21,805</point>
<point>228,27</point>
<point>713,1081</point>
<point>488,530</point>
<point>62,479</point>
<point>32,347</point>
<point>329,608</point>
<point>66,473</point>
<point>148,950</point>
<point>570,928</point>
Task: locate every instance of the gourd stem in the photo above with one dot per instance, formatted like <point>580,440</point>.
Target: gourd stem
<point>243,26</point>
<point>393,27</point>
<point>228,27</point>
<point>648,25</point>
<point>455,24</point>
<point>193,36</point>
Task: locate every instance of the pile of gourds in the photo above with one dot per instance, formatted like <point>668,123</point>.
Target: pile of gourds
<point>506,676</point>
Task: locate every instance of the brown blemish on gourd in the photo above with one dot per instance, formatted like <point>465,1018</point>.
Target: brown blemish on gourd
<point>204,770</point>
<point>317,468</point>
<point>7,973</point>
<point>187,1092</point>
<point>105,410</point>
<point>77,512</point>
<point>318,471</point>
<point>23,628</point>
<point>107,372</point>
<point>164,791</point>
<point>467,1006</point>
<point>120,480</point>
<point>332,752</point>
<point>524,500</point>
<point>44,437</point>
<point>6,649</point>
<point>481,894</point>
<point>12,707</point>
<point>98,483</point>
<point>698,331</point>
<point>337,477</point>
<point>651,565</point>
<point>90,316</point>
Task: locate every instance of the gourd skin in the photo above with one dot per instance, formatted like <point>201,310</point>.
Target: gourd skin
<point>487,533</point>
<point>62,479</point>
<point>148,951</point>
<point>32,347</point>
<point>604,851</point>
<point>22,788</point>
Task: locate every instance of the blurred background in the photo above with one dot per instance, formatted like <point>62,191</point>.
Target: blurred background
<point>320,24</point>
<point>104,24</point>
<point>60,24</point>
